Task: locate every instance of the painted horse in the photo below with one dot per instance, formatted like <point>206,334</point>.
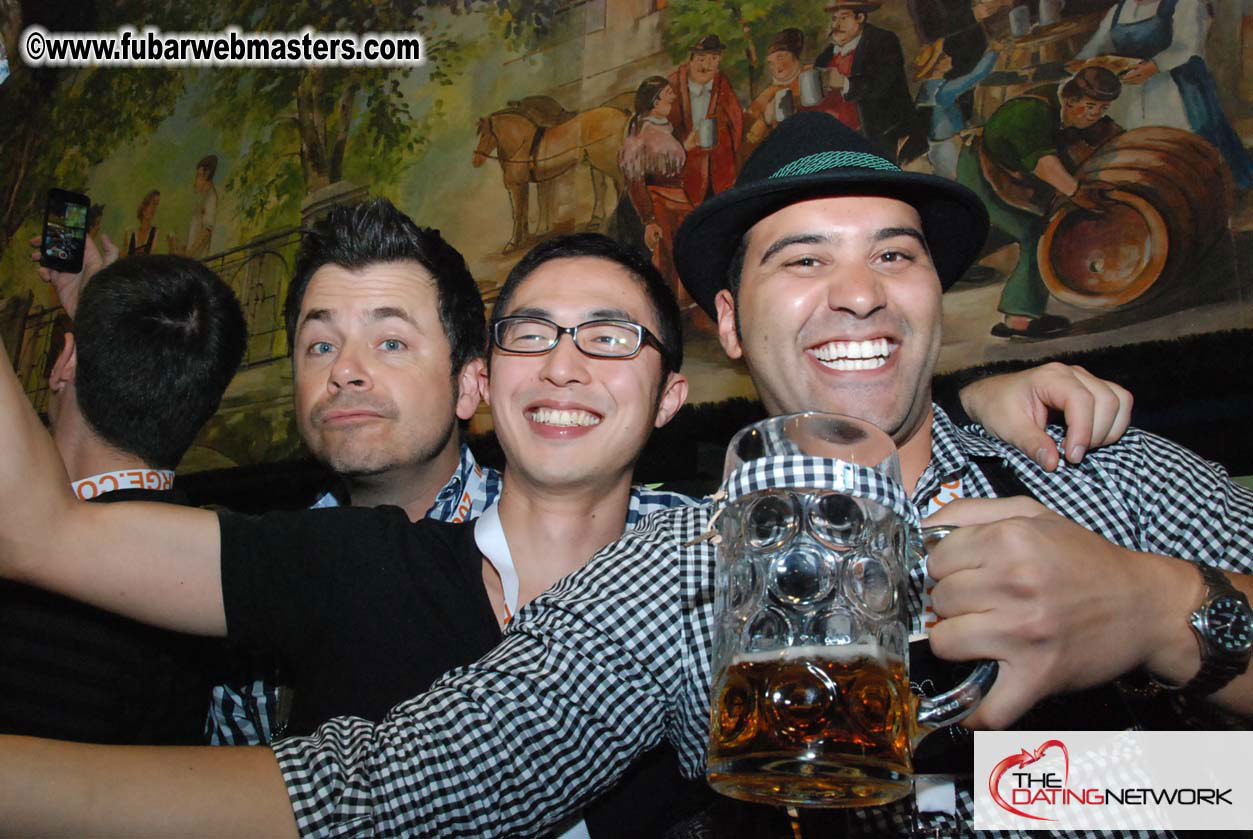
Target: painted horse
<point>531,152</point>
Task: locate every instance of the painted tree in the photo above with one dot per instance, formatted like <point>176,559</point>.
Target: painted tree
<point>61,122</point>
<point>301,129</point>
<point>745,26</point>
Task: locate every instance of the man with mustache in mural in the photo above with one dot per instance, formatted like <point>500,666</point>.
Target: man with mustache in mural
<point>866,76</point>
<point>707,119</point>
<point>198,598</point>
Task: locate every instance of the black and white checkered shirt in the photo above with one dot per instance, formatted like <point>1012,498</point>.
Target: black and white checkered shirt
<point>617,656</point>
<point>247,714</point>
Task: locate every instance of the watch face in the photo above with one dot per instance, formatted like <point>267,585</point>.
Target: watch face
<point>1230,628</point>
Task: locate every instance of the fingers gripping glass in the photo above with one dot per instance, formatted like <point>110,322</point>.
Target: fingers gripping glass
<point>596,338</point>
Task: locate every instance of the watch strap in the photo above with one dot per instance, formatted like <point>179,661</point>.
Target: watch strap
<point>1216,670</point>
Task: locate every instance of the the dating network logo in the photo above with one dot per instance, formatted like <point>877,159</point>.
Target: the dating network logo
<point>1046,789</point>
<point>1113,780</point>
<point>1031,788</point>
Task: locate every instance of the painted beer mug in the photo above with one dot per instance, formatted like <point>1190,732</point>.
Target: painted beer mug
<point>810,699</point>
<point>707,132</point>
<point>810,87</point>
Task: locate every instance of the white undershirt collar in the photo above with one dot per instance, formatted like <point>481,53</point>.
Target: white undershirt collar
<point>489,535</point>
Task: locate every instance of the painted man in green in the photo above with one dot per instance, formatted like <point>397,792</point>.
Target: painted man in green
<point>1023,165</point>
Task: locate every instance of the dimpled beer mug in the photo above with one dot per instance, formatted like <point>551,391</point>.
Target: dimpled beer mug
<point>810,699</point>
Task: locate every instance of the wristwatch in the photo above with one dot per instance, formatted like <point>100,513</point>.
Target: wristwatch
<point>1224,628</point>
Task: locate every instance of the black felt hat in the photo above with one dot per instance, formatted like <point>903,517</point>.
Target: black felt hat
<point>710,43</point>
<point>814,155</point>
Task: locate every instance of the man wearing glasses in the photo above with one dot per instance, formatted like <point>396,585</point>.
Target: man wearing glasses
<point>365,609</point>
<point>386,329</point>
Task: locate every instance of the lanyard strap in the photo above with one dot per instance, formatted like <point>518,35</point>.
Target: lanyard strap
<point>490,538</point>
<point>88,488</point>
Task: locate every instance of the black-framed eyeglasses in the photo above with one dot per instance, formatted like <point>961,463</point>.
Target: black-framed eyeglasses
<point>596,338</point>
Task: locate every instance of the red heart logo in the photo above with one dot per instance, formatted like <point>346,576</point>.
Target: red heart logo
<point>1025,758</point>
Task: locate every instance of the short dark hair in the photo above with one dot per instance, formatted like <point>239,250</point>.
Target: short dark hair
<point>210,164</point>
<point>736,268</point>
<point>356,236</point>
<point>159,337</point>
<point>143,205</point>
<point>734,271</point>
<point>660,296</point>
<point>1097,83</point>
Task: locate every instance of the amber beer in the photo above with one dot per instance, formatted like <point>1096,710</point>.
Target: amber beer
<point>818,726</point>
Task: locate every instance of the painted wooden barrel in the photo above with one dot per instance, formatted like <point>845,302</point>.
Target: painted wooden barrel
<point>1172,201</point>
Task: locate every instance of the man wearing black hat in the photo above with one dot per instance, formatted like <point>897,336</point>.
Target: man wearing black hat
<point>834,304</point>
<point>825,266</point>
<point>1022,167</point>
<point>867,76</point>
<point>707,119</point>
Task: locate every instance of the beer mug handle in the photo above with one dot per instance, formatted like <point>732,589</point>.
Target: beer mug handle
<point>953,705</point>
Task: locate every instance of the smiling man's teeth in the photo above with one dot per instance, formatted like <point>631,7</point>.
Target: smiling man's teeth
<point>854,355</point>
<point>568,419</point>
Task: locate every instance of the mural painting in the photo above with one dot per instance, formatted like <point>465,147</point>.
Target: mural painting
<point>1106,137</point>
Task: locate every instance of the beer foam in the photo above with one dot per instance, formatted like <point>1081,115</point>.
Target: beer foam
<point>839,652</point>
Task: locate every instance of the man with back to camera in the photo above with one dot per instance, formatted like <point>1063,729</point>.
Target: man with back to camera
<point>405,449</point>
<point>655,619</point>
<point>376,426</point>
<point>155,342</point>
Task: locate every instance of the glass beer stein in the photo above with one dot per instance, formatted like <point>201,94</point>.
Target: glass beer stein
<point>810,700</point>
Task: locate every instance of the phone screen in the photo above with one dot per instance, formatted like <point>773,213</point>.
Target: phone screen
<point>65,230</point>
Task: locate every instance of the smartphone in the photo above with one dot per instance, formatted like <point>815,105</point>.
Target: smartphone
<point>65,231</point>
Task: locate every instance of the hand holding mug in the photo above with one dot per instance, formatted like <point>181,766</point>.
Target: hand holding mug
<point>652,236</point>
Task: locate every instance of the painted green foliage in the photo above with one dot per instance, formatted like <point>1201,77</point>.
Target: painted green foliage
<point>302,129</point>
<point>527,23</point>
<point>86,114</point>
<point>293,131</point>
